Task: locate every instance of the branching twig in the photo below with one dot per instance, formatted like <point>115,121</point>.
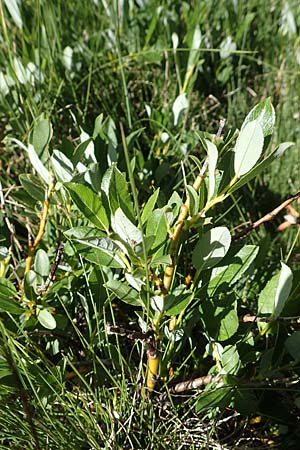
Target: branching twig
<point>267,218</point>
<point>169,271</point>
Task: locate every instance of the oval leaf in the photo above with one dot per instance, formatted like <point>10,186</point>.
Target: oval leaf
<point>41,263</point>
<point>46,319</point>
<point>248,148</point>
<point>211,248</point>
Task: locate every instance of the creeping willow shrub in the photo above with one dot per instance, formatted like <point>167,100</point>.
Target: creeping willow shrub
<point>163,254</point>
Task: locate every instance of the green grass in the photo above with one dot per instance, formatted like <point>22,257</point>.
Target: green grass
<point>114,58</point>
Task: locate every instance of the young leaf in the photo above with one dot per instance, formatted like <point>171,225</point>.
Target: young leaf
<point>248,148</point>
<point>274,295</point>
<point>211,248</point>
<point>212,152</point>
<point>181,103</point>
<point>89,203</point>
<point>264,113</point>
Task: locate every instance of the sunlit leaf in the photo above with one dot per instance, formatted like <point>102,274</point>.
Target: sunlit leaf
<point>46,319</point>
<point>248,148</point>
<point>273,297</point>
<point>212,153</point>
<point>211,248</point>
<point>264,114</point>
<point>181,103</point>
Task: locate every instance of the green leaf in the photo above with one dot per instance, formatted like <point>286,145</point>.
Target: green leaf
<point>79,151</point>
<point>149,206</point>
<point>124,292</point>
<point>7,293</point>
<point>45,318</point>
<point>212,153</point>
<point>232,267</point>
<point>37,164</point>
<point>157,227</point>
<point>100,250</point>
<point>248,148</point>
<point>30,285</point>
<point>115,189</point>
<point>83,233</point>
<point>292,344</point>
<point>194,54</point>
<point>211,248</point>
<point>230,360</point>
<point>89,203</point>
<point>175,304</point>
<point>214,398</point>
<point>277,153</point>
<point>42,134</point>
<point>273,297</point>
<point>264,114</point>
<point>124,228</point>
<point>181,103</point>
<point>41,263</point>
<point>33,186</point>
<point>62,166</point>
<point>219,317</point>
<point>229,325</point>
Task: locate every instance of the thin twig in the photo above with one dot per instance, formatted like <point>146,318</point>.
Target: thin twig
<point>267,218</point>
